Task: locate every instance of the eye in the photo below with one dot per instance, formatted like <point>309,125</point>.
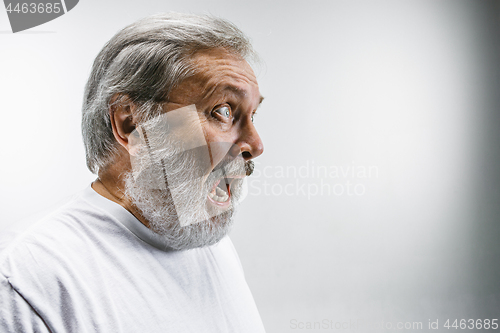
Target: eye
<point>253,116</point>
<point>224,111</point>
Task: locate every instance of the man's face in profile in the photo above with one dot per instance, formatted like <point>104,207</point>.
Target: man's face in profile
<point>190,196</point>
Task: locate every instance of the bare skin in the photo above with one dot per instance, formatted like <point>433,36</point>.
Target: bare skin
<point>226,95</point>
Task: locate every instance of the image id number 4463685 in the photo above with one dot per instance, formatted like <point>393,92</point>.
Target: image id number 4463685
<point>34,8</point>
<point>477,324</point>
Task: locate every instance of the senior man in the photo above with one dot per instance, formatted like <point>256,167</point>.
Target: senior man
<point>168,128</point>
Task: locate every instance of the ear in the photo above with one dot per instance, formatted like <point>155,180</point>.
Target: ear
<point>121,114</point>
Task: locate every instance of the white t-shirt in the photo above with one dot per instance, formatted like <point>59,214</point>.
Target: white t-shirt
<point>93,267</point>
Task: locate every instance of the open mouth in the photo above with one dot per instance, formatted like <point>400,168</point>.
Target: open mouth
<point>221,192</point>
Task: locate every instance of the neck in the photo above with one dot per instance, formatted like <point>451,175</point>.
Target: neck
<point>111,188</point>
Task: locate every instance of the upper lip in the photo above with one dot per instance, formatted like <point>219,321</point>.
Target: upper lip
<point>228,179</point>
<point>232,177</point>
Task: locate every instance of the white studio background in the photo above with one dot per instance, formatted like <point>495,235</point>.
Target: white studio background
<point>377,197</point>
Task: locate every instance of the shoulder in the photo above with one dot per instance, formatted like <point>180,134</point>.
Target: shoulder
<point>32,260</point>
<point>48,265</point>
<point>16,314</point>
<point>55,238</point>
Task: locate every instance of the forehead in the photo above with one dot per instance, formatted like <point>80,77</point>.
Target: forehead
<point>217,72</point>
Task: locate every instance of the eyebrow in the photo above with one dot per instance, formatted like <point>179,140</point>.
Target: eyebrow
<point>238,91</point>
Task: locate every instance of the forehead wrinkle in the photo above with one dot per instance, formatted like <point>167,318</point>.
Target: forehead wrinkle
<point>220,68</point>
<point>225,76</point>
<point>224,87</point>
<point>216,75</point>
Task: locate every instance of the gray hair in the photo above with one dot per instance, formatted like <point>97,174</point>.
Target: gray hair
<point>145,61</point>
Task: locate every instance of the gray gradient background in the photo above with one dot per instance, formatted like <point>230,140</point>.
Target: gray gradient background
<point>411,87</point>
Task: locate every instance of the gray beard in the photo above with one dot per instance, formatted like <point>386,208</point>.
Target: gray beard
<point>209,223</point>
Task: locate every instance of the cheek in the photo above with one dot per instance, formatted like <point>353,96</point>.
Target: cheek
<point>221,145</point>
<point>215,133</point>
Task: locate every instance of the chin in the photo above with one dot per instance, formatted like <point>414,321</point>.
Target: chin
<point>209,221</point>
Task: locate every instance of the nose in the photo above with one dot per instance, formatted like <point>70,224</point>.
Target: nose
<point>249,141</point>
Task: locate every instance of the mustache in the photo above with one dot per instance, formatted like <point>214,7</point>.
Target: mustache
<point>232,165</point>
<point>229,164</point>
<point>249,167</point>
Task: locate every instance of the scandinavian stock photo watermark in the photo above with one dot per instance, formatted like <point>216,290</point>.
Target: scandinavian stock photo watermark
<point>357,325</point>
<point>311,179</point>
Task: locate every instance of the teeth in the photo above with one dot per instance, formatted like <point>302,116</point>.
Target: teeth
<point>220,192</point>
<point>218,198</point>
